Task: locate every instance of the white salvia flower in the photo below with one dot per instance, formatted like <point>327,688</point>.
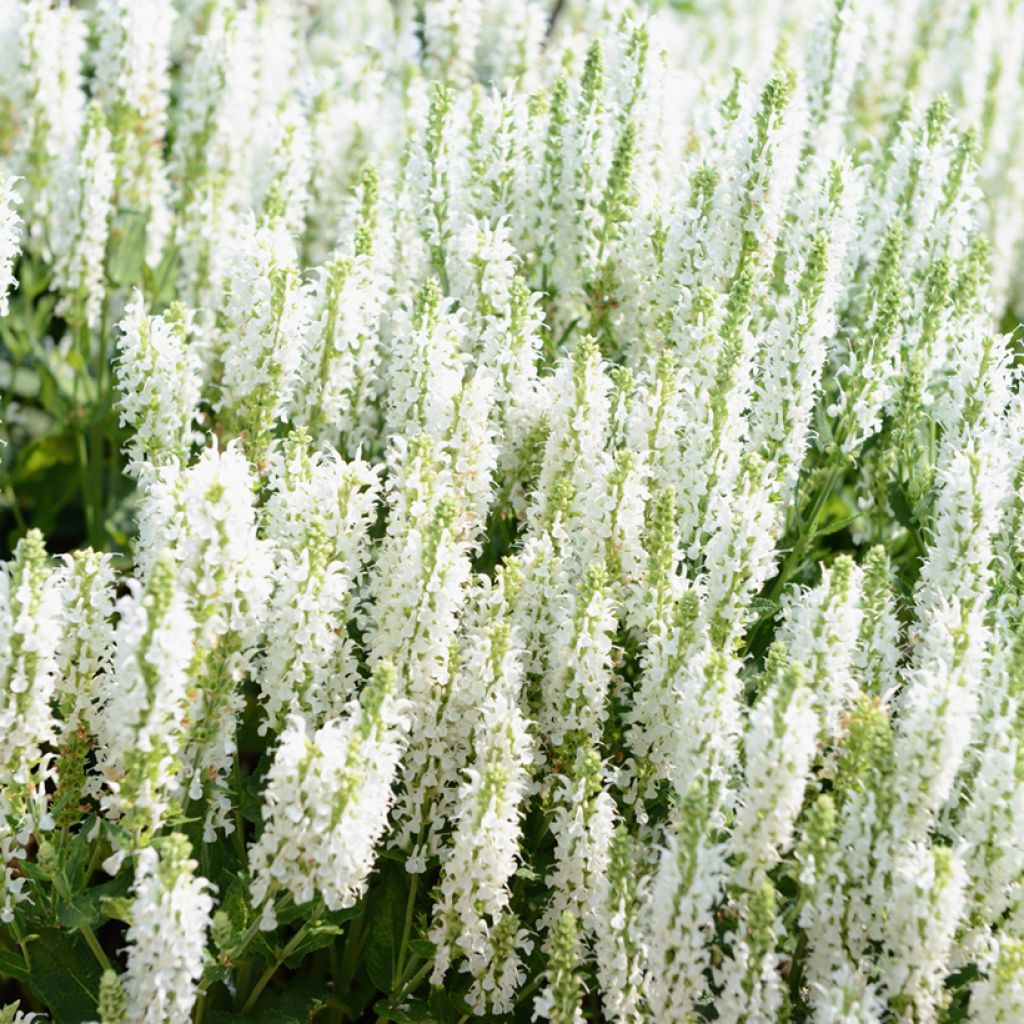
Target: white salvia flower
<point>213,143</point>
<point>82,224</point>
<point>795,350</point>
<point>576,464</point>
<point>679,912</point>
<point>481,267</point>
<point>473,907</point>
<point>158,375</point>
<point>847,998</point>
<point>878,646</point>
<point>779,745</point>
<point>741,554</point>
<point>10,234</point>
<point>287,194</point>
<point>559,1000</point>
<point>511,41</point>
<point>819,628</point>
<point>650,599</point>
<point>575,693</point>
<point>834,50</point>
<point>687,716</point>
<point>341,355</point>
<point>451,32</point>
<point>29,634</point>
<point>993,776</point>
<point>997,997</point>
<point>265,311</point>
<point>486,672</point>
<point>426,365</point>
<point>204,517</point>
<point>88,586</point>
<point>45,87</point>
<point>418,589</point>
<point>510,350</point>
<point>583,823</point>
<point>170,915</point>
<point>869,375</point>
<point>618,936</point>
<point>924,908</point>
<point>326,801</point>
<point>749,979</point>
<point>30,617</point>
<point>142,727</point>
<point>319,516</point>
<point>939,697</point>
<point>132,60</point>
<point>472,454</point>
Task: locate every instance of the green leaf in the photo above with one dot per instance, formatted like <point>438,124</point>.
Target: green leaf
<point>64,976</point>
<point>322,934</point>
<point>385,914</point>
<point>44,455</point>
<point>447,1006</point>
<point>12,965</point>
<point>838,524</point>
<point>422,948</point>
<point>299,1001</point>
<point>80,912</point>
<point>128,248</point>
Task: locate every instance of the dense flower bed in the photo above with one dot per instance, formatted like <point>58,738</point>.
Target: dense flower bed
<point>508,516</point>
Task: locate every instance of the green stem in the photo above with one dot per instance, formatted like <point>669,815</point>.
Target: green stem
<point>97,950</point>
<point>269,973</point>
<point>529,990</point>
<point>401,991</point>
<point>410,906</point>
<point>807,532</point>
<point>350,956</point>
<point>22,944</point>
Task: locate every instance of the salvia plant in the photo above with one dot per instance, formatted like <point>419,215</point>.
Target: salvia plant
<point>511,510</point>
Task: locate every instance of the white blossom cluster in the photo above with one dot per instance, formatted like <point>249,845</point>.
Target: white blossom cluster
<point>573,555</point>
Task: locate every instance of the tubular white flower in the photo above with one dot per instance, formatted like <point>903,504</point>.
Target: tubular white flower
<point>170,912</point>
<point>451,32</point>
<point>679,912</point>
<point>88,586</point>
<point>319,515</point>
<point>998,996</point>
<point>142,730</point>
<point>820,628</point>
<point>341,355</point>
<point>204,517</point>
<point>82,224</point>
<point>45,86</point>
<point>30,613</point>
<point>426,366</point>
<point>133,59</point>
<point>266,315</point>
<point>474,887</point>
<point>158,375</point>
<point>926,904</point>
<point>10,235</point>
<point>779,745</point>
<point>326,802</point>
